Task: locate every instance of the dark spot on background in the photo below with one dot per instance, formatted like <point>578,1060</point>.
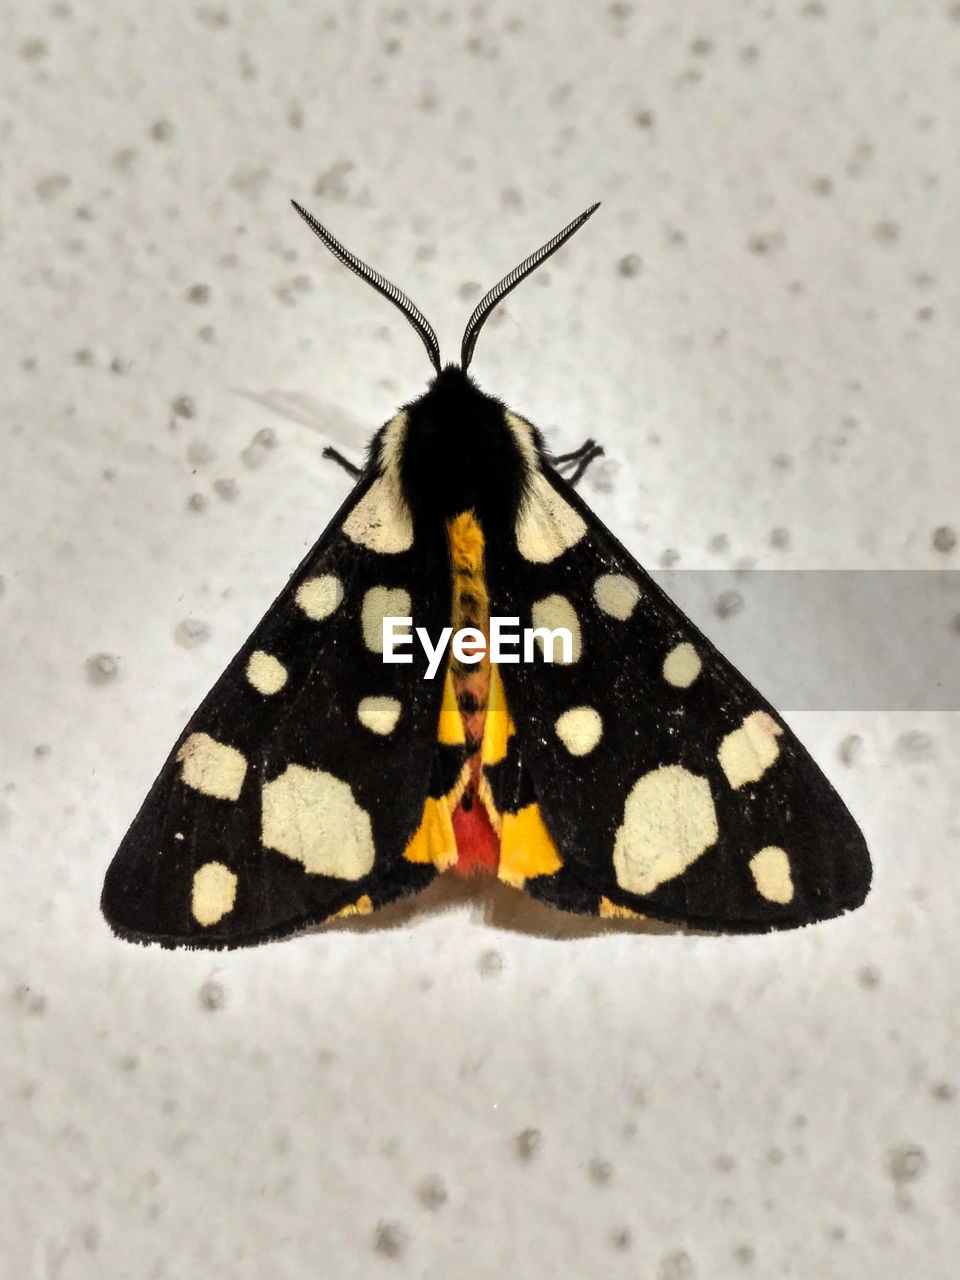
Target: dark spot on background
<point>191,632</point>
<point>184,406</point>
<point>51,185</point>
<point>34,50</point>
<point>213,17</point>
<point>728,604</point>
<point>489,963</point>
<point>762,243</point>
<point>199,294</point>
<point>849,749</point>
<point>886,232</point>
<point>527,1143</point>
<point>676,1265</point>
<point>28,1000</point>
<point>869,977</point>
<point>944,539</point>
<point>631,264</point>
<point>906,1163</point>
<point>390,1239</point>
<point>915,745</point>
<point>197,502</point>
<point>211,995</point>
<point>101,668</point>
<point>431,1193</point>
<point>599,1171</point>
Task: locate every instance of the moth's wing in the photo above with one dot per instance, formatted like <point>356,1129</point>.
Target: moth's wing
<point>293,791</point>
<point>659,777</point>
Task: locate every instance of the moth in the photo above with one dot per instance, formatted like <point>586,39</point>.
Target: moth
<point>637,774</point>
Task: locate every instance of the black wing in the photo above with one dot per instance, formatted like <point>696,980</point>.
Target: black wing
<point>293,791</point>
<point>668,785</point>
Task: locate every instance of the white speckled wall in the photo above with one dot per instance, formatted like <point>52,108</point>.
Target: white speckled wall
<point>760,325</point>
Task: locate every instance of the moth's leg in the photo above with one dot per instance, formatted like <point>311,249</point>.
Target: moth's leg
<point>335,456</point>
<point>581,459</point>
<point>576,455</point>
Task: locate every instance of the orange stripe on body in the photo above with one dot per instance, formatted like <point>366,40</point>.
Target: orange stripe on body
<point>463,830</point>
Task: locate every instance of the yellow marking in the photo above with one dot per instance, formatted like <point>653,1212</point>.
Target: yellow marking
<point>550,613</point>
<point>266,673</point>
<point>313,818</point>
<point>526,847</point>
<point>379,715</point>
<point>616,594</point>
<point>211,767</point>
<point>613,911</point>
<point>579,729</point>
<point>668,822</point>
<point>450,729</point>
<point>681,666</point>
<point>362,907</point>
<point>434,841</point>
<point>380,603</point>
<point>381,519</point>
<point>771,873</point>
<point>466,543</point>
<point>498,725</point>
<point>318,597</point>
<point>214,893</point>
<point>748,752</point>
<point>546,525</point>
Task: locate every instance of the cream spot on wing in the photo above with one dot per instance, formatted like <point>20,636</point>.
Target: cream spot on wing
<point>391,444</point>
<point>381,519</point>
<point>318,597</point>
<point>546,525</point>
<point>266,673</point>
<point>211,767</point>
<point>552,612</point>
<point>616,594</point>
<point>668,822</point>
<point>579,729</point>
<point>379,715</point>
<point>682,665</point>
<point>746,754</point>
<point>312,817</point>
<point>380,603</point>
<point>522,432</point>
<point>771,872</point>
<point>214,893</point>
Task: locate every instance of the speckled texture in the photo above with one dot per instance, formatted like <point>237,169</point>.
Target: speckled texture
<point>760,326</point>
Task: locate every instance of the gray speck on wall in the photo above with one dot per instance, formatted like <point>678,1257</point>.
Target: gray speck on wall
<point>212,995</point>
<point>190,632</point>
<point>101,668</point>
<point>389,1239</point>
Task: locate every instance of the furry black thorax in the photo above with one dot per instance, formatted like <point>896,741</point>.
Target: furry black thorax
<point>461,455</point>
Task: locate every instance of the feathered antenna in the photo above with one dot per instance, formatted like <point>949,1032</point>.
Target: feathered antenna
<point>500,291</point>
<point>374,278</point>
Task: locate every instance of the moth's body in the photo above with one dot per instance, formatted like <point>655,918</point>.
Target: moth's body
<point>459,484</point>
<point>640,774</point>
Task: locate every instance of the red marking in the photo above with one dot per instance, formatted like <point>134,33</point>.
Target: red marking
<point>478,845</point>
